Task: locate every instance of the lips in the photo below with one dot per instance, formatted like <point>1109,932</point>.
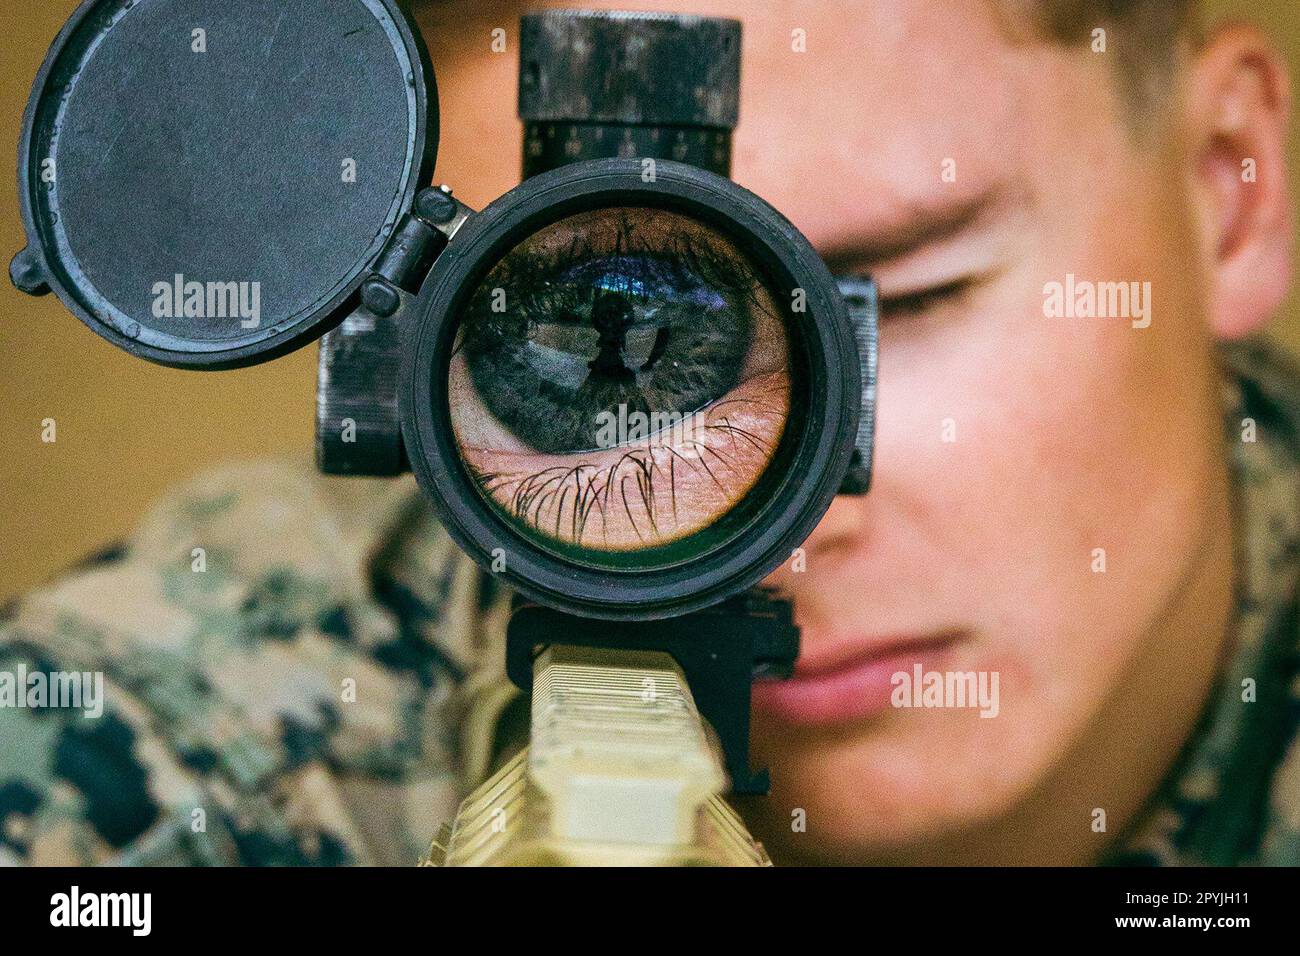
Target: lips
<point>849,680</point>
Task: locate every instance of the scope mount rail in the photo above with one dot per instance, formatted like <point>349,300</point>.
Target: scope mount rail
<point>721,650</point>
<point>619,770</point>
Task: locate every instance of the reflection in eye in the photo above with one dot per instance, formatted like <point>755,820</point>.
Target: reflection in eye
<point>620,380</point>
<point>638,331</point>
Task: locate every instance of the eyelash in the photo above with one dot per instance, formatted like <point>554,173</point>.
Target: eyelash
<point>539,490</point>
<point>913,304</point>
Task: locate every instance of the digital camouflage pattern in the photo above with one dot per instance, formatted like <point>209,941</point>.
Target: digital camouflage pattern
<point>296,702</point>
<point>324,680</point>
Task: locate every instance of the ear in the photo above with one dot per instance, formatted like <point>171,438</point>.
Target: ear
<point>1237,109</point>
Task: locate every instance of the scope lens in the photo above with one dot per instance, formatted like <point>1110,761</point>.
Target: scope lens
<point>620,385</point>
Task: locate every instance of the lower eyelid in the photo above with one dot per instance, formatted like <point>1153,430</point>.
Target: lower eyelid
<point>747,424</point>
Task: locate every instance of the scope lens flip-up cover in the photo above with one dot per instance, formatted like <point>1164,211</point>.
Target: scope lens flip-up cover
<point>207,184</point>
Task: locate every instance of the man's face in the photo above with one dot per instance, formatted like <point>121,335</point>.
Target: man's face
<point>1045,486</point>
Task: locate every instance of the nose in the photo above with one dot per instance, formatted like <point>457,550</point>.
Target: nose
<point>842,530</point>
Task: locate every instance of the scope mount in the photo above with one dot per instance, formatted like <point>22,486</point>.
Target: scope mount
<point>721,650</point>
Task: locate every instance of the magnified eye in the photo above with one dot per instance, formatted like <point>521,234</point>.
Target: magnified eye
<point>620,380</point>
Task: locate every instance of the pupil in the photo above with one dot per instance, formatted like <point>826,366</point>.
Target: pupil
<point>612,315</point>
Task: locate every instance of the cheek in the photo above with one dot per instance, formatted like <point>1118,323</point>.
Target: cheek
<point>1045,482</point>
<point>922,773</point>
<point>1061,463</point>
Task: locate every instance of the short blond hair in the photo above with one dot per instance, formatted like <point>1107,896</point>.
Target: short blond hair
<point>1145,36</point>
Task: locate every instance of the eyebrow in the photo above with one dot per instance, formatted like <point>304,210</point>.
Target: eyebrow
<point>919,226</point>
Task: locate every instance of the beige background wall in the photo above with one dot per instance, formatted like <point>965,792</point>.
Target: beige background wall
<point>127,429</point>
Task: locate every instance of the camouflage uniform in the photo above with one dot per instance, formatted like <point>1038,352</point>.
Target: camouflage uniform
<point>320,683</point>
<point>303,691</point>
